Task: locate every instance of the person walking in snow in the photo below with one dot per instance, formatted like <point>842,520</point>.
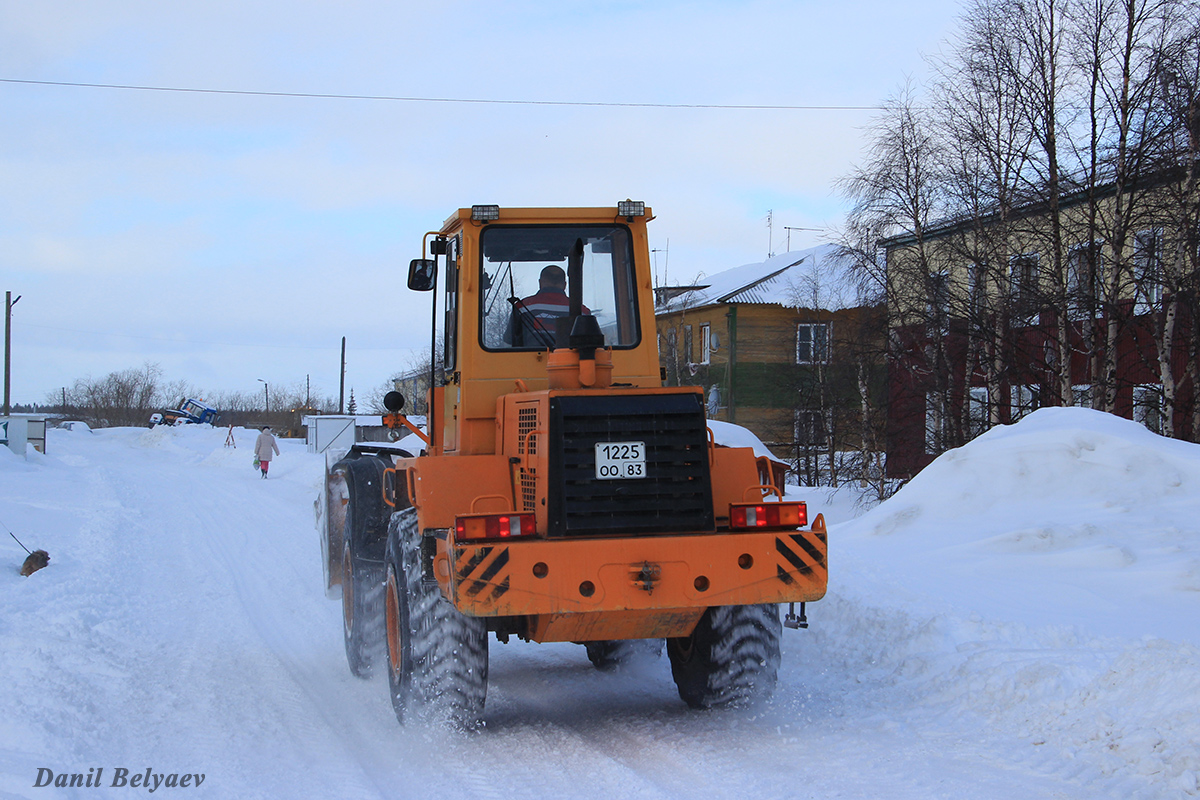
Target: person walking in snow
<point>264,445</point>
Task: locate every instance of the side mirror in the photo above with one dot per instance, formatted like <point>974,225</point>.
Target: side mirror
<point>422,273</point>
<point>393,402</point>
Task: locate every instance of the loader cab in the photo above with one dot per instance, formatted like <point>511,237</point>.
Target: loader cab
<point>501,274</point>
<point>533,272</point>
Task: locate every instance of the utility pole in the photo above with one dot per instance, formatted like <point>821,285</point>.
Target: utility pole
<point>8,304</point>
<point>342,381</point>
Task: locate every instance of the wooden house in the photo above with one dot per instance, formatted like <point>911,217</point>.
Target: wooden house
<point>781,347</point>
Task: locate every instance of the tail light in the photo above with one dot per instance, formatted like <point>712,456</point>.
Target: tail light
<point>756,516</point>
<point>494,526</point>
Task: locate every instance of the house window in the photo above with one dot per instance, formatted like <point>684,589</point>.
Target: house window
<point>1024,281</point>
<point>1083,281</point>
<point>687,344</point>
<point>1148,406</point>
<point>1081,395</point>
<point>935,424</point>
<point>1147,275</point>
<point>812,343</point>
<point>978,410</point>
<point>812,427</point>
<point>938,308</point>
<point>1025,400</point>
<point>975,287</point>
<point>705,343</point>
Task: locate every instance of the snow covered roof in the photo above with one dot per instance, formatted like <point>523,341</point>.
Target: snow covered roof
<point>813,278</point>
<point>360,420</point>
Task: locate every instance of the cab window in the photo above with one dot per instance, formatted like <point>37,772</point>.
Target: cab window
<point>525,272</point>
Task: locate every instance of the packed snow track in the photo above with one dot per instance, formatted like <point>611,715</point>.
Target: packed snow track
<point>969,646</point>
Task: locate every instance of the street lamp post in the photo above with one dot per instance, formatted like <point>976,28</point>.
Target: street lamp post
<point>266,395</point>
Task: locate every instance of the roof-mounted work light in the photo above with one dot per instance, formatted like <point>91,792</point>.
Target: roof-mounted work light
<point>485,213</point>
<point>631,208</point>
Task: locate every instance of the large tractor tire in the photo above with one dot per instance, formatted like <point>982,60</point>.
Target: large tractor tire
<point>361,564</point>
<point>609,656</point>
<point>362,608</point>
<point>437,657</point>
<point>731,659</point>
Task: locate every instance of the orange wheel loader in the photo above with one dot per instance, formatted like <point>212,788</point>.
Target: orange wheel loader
<point>558,492</point>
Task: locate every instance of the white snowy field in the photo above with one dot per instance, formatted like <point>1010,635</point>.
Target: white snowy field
<point>1022,620</point>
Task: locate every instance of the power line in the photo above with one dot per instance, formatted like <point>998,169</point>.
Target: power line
<point>460,100</point>
<point>178,341</point>
<point>208,343</point>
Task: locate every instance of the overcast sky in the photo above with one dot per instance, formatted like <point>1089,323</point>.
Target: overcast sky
<point>230,238</point>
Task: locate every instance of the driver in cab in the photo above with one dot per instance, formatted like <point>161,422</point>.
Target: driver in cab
<point>532,322</point>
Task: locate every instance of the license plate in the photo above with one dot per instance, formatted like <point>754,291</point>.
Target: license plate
<point>616,460</point>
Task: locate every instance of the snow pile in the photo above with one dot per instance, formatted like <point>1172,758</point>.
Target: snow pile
<point>1089,504</point>
<point>1041,578</point>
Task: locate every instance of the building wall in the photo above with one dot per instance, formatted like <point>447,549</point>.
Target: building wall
<point>943,350</point>
<point>755,369</point>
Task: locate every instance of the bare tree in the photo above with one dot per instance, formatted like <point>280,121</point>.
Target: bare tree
<point>414,380</point>
<point>1058,159</point>
<point>900,191</point>
<point>123,398</point>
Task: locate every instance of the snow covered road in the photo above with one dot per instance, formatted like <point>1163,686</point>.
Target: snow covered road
<point>181,627</point>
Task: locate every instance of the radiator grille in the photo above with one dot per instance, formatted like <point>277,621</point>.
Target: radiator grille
<point>675,495</point>
<point>529,489</point>
<point>527,422</point>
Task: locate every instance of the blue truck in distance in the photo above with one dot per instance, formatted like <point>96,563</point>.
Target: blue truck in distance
<point>190,411</point>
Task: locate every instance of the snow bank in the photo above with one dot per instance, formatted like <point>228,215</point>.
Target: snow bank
<point>1042,578</point>
<point>1091,507</point>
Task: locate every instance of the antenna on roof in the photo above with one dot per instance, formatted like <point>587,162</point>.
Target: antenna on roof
<point>789,230</point>
<point>666,261</point>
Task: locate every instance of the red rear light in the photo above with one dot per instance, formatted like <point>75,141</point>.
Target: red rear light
<point>754,516</point>
<point>495,526</point>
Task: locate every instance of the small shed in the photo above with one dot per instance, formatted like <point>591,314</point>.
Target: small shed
<point>18,430</point>
<point>331,432</point>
